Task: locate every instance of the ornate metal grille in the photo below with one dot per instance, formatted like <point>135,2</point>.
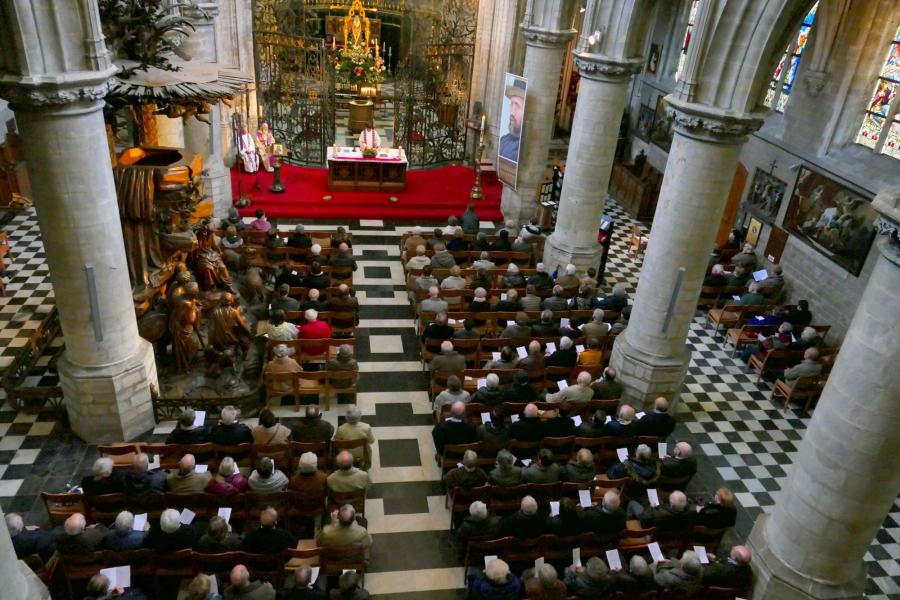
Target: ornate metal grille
<point>295,82</point>
<point>433,86</point>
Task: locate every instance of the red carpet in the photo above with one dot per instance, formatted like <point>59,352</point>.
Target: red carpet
<point>431,195</point>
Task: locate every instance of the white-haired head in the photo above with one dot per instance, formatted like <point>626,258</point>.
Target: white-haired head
<point>229,415</point>
<point>354,415</point>
<point>497,571</point>
<point>570,269</point>
<point>642,452</point>
<point>227,467</point>
<point>529,506</point>
<point>626,413</point>
<point>584,379</point>
<point>311,315</point>
<point>470,460</point>
<point>677,501</point>
<point>433,291</point>
<point>170,520</point>
<point>124,522</point>
<point>611,500</point>
<point>717,270</point>
<point>565,342</point>
<point>446,346</point>
<point>598,315</point>
<point>15,524</point>
<point>103,467</point>
<point>478,510</point>
<point>785,327</point>
<point>281,350</point>
<point>540,267</point>
<point>309,462</point>
<point>690,563</point>
<point>620,289</point>
<point>808,334</point>
<point>512,268</point>
<point>316,249</point>
<point>492,381</point>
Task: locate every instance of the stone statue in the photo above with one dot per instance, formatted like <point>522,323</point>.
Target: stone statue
<point>184,318</point>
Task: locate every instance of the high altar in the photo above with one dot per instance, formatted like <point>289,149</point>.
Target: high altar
<point>350,171</point>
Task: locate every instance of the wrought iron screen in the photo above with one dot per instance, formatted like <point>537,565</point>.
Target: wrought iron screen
<point>295,81</point>
<point>433,85</point>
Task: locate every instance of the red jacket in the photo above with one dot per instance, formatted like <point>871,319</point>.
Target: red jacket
<point>233,485</point>
<point>317,330</point>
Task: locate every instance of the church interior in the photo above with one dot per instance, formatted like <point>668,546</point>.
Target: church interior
<point>445,299</point>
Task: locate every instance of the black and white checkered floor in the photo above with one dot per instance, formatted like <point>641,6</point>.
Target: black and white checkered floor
<point>744,441</point>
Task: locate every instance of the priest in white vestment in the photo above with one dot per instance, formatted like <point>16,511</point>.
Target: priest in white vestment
<point>247,151</point>
<point>368,138</point>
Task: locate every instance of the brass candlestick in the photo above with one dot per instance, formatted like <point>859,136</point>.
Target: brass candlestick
<point>476,193</point>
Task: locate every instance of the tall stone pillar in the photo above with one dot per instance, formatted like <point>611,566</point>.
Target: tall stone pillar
<point>18,580</point>
<point>651,355</point>
<point>107,368</point>
<point>602,96</point>
<point>547,32</point>
<point>200,137</point>
<point>847,472</point>
<point>496,32</point>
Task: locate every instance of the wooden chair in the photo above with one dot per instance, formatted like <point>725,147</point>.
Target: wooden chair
<point>341,382</point>
<point>749,334</point>
<point>303,507</point>
<point>312,383</point>
<point>274,390</point>
<point>507,499</point>
<point>320,449</point>
<point>336,559</point>
<point>804,388</point>
<point>265,567</point>
<point>338,446</point>
<point>81,567</point>
<point>217,565</point>
<point>60,507</point>
<point>478,549</point>
<point>706,537</point>
<point>335,500</point>
<point>298,557</point>
<point>729,315</point>
<point>171,565</point>
<point>453,454</point>
<point>459,499</point>
<point>152,504</point>
<point>632,541</point>
<point>103,508</point>
<point>279,453</point>
<point>637,242</point>
<point>122,454</point>
<point>777,358</point>
<point>562,447</point>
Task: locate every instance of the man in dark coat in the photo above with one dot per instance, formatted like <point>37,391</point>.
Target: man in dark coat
<point>454,429</point>
<point>657,422</point>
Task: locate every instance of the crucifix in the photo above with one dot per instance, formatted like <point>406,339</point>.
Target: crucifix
<point>772,167</point>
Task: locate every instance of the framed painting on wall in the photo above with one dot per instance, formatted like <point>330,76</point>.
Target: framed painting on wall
<point>831,218</point>
<point>663,125</point>
<point>645,123</point>
<point>764,199</point>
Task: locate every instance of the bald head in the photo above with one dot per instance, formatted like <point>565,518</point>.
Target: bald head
<point>531,411</point>
<point>661,404</point>
<point>75,524</point>
<point>186,464</point>
<point>458,410</point>
<point>344,460</point>
<point>240,577</point>
<point>683,450</point>
<point>741,555</point>
<point>584,379</point>
<point>268,517</point>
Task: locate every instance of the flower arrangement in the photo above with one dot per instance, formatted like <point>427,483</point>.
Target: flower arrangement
<point>370,152</point>
<point>356,65</point>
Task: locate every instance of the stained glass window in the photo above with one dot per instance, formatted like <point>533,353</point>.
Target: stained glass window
<point>786,73</point>
<point>880,128</point>
<point>687,37</point>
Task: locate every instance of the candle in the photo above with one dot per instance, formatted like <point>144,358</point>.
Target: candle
<point>482,122</point>
<point>383,47</point>
<point>332,43</point>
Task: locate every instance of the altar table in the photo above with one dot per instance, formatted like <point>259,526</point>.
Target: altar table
<point>348,171</point>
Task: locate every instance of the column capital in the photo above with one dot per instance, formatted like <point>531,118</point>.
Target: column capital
<point>709,124</point>
<point>603,68</point>
<point>546,38</point>
<point>29,95</point>
<point>887,203</point>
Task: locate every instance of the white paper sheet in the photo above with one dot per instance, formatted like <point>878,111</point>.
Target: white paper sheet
<point>736,298</point>
<point>459,465</point>
<point>526,462</point>
<point>656,552</point>
<point>154,463</point>
<point>314,575</point>
<point>576,557</point>
<point>495,356</point>
<point>564,323</point>
<point>482,382</point>
<point>187,516</point>
<point>538,563</point>
<point>701,552</point>
<point>662,449</point>
<point>759,318</point>
<point>488,558</point>
<point>551,347</point>
<point>119,577</point>
<point>225,513</point>
<point>760,275</point>
<point>653,497</point>
<point>514,418</point>
<point>614,560</point>
<point>640,415</point>
<point>451,321</point>
<point>584,498</point>
<point>503,296</point>
<point>608,419</point>
<point>140,521</point>
<point>199,418</point>
<point>760,337</point>
<point>562,384</point>
<point>622,453</point>
<point>522,351</point>
<point>201,468</point>
<point>579,348</point>
<point>577,420</point>
<point>485,417</point>
<point>554,508</point>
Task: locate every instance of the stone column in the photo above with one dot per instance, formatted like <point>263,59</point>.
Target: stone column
<point>547,35</point>
<point>651,355</point>
<point>18,580</point>
<point>602,96</point>
<point>107,369</point>
<point>200,137</point>
<point>847,472</point>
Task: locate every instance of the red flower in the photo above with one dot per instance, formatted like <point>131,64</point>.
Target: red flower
<point>358,71</point>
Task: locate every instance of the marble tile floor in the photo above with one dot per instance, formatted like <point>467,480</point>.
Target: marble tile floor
<point>742,439</point>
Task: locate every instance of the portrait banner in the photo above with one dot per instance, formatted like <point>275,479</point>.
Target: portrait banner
<point>512,127</point>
